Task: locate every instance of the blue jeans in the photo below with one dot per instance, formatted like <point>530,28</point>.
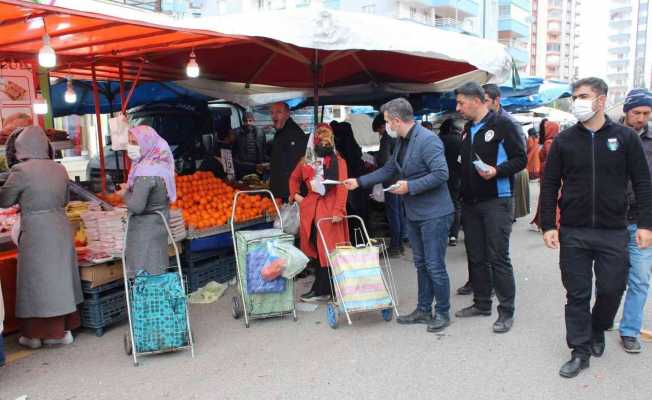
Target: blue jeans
<point>396,219</point>
<point>638,285</point>
<point>429,240</point>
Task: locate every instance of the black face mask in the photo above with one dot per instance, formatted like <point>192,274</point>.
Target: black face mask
<point>323,151</point>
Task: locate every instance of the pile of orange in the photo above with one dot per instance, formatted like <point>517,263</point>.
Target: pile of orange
<point>112,198</point>
<point>206,202</point>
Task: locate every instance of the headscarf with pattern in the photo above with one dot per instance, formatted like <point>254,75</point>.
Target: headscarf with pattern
<point>156,159</point>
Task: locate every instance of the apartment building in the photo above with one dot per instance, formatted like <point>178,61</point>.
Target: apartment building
<point>555,39</point>
<point>629,58</point>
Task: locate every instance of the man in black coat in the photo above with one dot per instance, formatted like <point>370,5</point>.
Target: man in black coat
<point>595,159</point>
<point>288,146</point>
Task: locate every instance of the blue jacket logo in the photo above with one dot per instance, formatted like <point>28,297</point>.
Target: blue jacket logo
<point>489,135</point>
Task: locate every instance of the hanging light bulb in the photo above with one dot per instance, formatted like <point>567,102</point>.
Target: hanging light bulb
<point>192,68</point>
<point>70,96</point>
<point>40,105</point>
<point>47,58</point>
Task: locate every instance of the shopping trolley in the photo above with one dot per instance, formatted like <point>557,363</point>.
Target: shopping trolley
<point>147,336</point>
<point>360,282</point>
<point>259,305</point>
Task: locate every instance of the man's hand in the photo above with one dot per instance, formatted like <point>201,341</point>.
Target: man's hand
<point>643,238</point>
<point>401,189</point>
<point>123,189</point>
<point>351,184</point>
<point>551,239</point>
<point>489,174</point>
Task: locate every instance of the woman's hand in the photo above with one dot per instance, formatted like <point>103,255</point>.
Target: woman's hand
<point>123,189</point>
<point>336,219</point>
<point>298,198</point>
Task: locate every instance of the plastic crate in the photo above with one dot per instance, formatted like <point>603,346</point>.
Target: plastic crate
<point>100,312</point>
<point>96,292</point>
<point>219,270</point>
<point>219,241</point>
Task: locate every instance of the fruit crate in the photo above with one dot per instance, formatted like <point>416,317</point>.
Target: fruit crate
<point>103,306</point>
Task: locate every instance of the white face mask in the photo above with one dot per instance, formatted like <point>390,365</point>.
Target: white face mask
<point>583,109</point>
<point>392,133</point>
<point>133,151</point>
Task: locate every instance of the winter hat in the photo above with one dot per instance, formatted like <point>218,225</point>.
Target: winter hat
<point>637,98</point>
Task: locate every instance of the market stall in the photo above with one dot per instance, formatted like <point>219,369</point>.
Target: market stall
<point>78,40</point>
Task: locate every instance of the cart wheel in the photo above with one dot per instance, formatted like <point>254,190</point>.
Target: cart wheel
<point>331,315</point>
<point>99,332</point>
<point>294,315</point>
<point>235,308</point>
<point>246,324</point>
<point>387,314</point>
<point>127,344</point>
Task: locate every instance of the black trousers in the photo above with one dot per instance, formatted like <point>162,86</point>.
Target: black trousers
<point>583,251</point>
<point>454,190</point>
<point>487,228</point>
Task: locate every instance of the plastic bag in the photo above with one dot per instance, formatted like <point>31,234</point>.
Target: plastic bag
<point>290,217</point>
<point>258,258</point>
<point>296,260</point>
<point>377,193</point>
<point>119,129</point>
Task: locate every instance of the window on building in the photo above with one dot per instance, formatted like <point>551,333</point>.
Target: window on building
<point>553,47</point>
<point>369,9</point>
<point>413,13</point>
<point>221,7</point>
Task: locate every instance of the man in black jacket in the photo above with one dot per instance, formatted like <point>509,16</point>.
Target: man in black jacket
<point>288,146</point>
<point>249,156</point>
<point>492,152</point>
<point>595,159</point>
<point>452,140</point>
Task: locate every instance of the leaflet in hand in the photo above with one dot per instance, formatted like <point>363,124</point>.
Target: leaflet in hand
<point>481,165</point>
<point>392,187</point>
<point>331,182</point>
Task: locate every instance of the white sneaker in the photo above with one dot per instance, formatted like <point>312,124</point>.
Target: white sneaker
<point>67,339</point>
<point>534,228</point>
<point>32,343</point>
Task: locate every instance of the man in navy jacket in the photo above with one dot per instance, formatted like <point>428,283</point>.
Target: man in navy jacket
<point>419,163</point>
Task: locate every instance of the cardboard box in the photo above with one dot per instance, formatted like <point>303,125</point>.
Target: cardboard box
<point>101,274</point>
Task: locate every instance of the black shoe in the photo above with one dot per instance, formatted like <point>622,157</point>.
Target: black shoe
<point>452,241</point>
<point>416,317</point>
<point>597,344</point>
<point>439,323</point>
<point>465,290</point>
<point>573,367</point>
<point>503,324</point>
<point>631,344</point>
<point>313,297</point>
<point>472,311</point>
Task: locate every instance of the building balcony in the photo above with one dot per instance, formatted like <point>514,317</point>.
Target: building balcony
<point>465,8</point>
<point>618,63</point>
<point>512,25</point>
<point>449,24</point>
<point>523,4</point>
<point>620,23</point>
<point>619,50</point>
<point>624,9</point>
<point>619,37</point>
<point>617,75</point>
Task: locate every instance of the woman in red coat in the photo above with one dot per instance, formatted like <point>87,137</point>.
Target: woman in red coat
<point>550,132</point>
<point>322,201</point>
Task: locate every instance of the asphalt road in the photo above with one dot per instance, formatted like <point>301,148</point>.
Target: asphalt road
<point>282,359</point>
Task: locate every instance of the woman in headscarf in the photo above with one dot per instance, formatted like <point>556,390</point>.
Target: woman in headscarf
<point>49,288</point>
<point>547,135</point>
<point>149,188</point>
<point>321,163</point>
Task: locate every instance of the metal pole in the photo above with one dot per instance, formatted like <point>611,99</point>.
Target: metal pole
<point>125,160</point>
<point>98,120</point>
<point>315,78</point>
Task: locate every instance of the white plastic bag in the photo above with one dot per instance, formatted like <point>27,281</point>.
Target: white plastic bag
<point>119,129</point>
<point>377,193</point>
<point>290,217</point>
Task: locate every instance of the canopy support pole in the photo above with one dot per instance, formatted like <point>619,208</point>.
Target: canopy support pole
<point>315,79</point>
<point>98,121</point>
<point>125,160</point>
